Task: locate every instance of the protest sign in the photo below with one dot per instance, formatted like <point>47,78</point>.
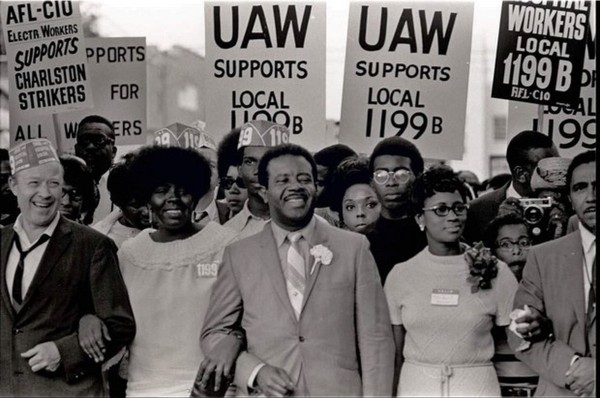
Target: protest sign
<point>266,61</point>
<point>573,129</point>
<point>540,51</point>
<point>117,74</point>
<point>406,74</point>
<point>46,58</point>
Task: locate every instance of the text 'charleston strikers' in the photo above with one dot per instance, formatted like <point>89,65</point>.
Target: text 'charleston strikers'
<point>432,29</point>
<point>290,31</point>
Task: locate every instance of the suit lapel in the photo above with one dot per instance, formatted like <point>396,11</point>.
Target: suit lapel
<point>572,265</point>
<point>270,258</point>
<point>58,243</point>
<point>319,238</point>
<point>7,239</point>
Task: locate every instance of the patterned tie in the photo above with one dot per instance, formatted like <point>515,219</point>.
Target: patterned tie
<point>17,287</point>
<point>592,294</point>
<point>295,273</point>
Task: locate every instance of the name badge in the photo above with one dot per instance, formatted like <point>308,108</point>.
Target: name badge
<point>444,297</point>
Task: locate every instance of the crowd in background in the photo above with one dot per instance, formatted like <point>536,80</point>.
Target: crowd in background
<point>450,257</point>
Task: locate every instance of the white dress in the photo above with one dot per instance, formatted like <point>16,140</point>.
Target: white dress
<point>169,287</point>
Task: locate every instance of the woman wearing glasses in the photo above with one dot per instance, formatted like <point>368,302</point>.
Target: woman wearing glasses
<point>441,314</point>
<point>234,190</point>
<point>509,238</point>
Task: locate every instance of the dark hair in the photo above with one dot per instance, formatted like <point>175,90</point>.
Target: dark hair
<point>331,156</point>
<point>3,154</point>
<point>498,181</point>
<point>491,231</point>
<point>398,146</point>
<point>351,171</point>
<point>78,174</point>
<point>155,166</point>
<point>282,150</point>
<point>119,182</point>
<point>522,143</point>
<point>227,152</point>
<point>578,160</point>
<point>439,178</point>
<point>96,119</point>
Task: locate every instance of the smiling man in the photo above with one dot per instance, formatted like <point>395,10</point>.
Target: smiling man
<point>307,295</point>
<point>52,273</point>
<point>559,281</point>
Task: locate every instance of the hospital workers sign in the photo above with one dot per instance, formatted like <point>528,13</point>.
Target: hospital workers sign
<point>406,74</point>
<point>540,51</point>
<point>266,61</point>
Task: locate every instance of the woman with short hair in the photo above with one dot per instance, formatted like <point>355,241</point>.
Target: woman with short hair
<point>444,301</point>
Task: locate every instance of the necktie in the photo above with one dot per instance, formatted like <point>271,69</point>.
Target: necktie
<point>18,280</point>
<point>592,293</point>
<point>295,273</point>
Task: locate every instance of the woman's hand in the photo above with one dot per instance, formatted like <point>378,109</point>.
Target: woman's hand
<point>91,333</point>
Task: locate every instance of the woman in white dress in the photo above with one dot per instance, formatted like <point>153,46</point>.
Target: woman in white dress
<point>443,304</point>
<point>169,272</point>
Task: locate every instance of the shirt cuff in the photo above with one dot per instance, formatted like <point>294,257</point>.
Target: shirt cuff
<point>254,373</point>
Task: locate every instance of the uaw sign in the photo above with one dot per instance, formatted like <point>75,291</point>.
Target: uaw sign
<point>266,61</point>
<point>47,67</point>
<point>406,74</point>
<point>572,128</point>
<point>540,51</point>
<point>117,75</point>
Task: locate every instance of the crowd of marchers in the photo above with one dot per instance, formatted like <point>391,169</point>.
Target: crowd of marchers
<point>251,266</point>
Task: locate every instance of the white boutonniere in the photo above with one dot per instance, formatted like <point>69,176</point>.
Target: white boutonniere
<point>322,255</point>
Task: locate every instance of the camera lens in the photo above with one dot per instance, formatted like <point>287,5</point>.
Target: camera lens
<point>533,214</point>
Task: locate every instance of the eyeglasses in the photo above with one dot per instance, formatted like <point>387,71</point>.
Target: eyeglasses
<point>507,244</point>
<point>401,176</point>
<point>73,193</point>
<point>227,182</point>
<point>94,139</point>
<point>443,210</point>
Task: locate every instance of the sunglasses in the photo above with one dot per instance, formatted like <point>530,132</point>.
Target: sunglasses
<point>73,193</point>
<point>227,182</point>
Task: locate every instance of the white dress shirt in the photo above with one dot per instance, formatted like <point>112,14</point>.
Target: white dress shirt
<point>33,259</point>
<point>588,241</point>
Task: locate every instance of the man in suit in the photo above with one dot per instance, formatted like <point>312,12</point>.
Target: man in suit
<point>306,294</point>
<point>559,283</point>
<point>522,154</point>
<point>52,273</point>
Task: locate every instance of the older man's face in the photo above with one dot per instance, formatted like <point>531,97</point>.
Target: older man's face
<point>582,193</point>
<point>39,192</point>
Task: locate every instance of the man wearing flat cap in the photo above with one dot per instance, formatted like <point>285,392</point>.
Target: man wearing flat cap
<point>53,272</point>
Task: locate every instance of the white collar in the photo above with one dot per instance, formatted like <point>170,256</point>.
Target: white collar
<point>511,192</point>
<point>587,238</point>
<point>24,239</point>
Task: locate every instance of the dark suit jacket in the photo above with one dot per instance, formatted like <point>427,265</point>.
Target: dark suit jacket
<point>553,284</point>
<point>481,211</point>
<point>78,274</point>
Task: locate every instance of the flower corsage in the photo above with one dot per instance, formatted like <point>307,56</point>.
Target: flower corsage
<point>322,255</point>
<point>482,267</point>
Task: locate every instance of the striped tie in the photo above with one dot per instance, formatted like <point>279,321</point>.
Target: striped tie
<point>295,274</point>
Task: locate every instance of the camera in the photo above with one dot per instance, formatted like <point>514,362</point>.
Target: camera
<point>533,209</point>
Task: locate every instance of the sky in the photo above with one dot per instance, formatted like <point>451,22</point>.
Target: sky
<point>165,23</point>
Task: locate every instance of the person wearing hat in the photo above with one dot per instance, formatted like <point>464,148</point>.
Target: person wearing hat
<point>53,273</point>
<point>549,180</point>
<point>256,137</point>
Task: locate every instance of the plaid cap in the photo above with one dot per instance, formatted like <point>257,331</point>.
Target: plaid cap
<point>263,133</point>
<point>31,153</point>
<point>184,136</point>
